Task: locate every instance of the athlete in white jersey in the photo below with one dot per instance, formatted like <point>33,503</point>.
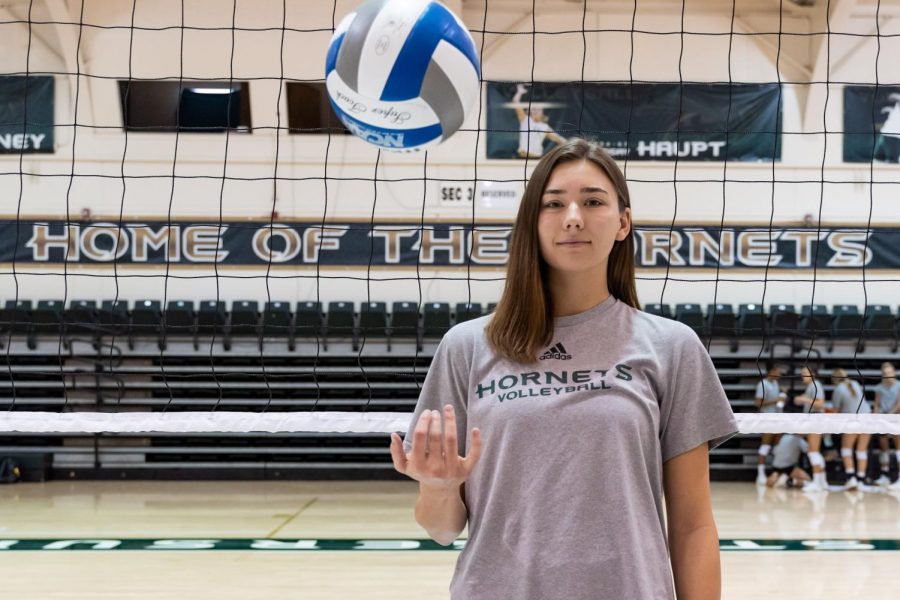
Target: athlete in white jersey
<point>769,399</point>
<point>533,128</point>
<point>812,400</point>
<point>848,398</point>
<point>886,402</point>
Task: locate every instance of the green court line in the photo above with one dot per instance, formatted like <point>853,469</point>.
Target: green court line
<point>395,545</point>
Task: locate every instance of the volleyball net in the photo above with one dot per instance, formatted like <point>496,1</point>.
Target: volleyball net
<point>191,241</point>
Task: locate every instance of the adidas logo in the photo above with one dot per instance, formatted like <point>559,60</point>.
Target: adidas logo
<point>558,352</point>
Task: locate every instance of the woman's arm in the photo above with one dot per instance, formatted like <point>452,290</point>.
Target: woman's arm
<point>441,512</point>
<point>693,539</point>
<point>434,462</point>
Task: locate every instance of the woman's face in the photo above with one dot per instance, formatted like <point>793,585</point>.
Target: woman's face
<point>887,372</point>
<point>807,377</point>
<point>579,219</point>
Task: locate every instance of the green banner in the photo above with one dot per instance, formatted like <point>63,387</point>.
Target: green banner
<point>639,121</point>
<point>871,124</point>
<point>26,114</point>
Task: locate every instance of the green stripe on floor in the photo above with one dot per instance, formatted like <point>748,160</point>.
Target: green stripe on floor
<point>394,545</point>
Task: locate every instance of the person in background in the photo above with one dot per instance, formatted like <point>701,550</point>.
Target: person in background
<point>769,395</point>
<point>848,398</point>
<point>812,400</point>
<point>786,471</point>
<point>886,403</point>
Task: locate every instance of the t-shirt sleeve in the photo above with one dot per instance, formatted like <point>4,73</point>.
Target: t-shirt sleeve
<point>760,393</point>
<point>693,406</point>
<point>446,382</point>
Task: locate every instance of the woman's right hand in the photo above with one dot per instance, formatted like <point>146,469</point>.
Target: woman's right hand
<point>434,459</point>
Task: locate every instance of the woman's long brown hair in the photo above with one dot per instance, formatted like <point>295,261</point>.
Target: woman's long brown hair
<point>523,321</point>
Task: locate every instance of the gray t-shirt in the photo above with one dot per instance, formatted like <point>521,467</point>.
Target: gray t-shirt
<point>814,390</point>
<point>850,399</point>
<point>887,396</point>
<point>567,498</point>
<point>786,452</point>
<point>769,391</point>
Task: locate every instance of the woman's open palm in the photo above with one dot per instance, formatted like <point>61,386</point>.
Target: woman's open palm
<point>434,459</point>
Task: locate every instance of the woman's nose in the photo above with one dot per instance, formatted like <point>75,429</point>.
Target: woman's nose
<point>573,217</point>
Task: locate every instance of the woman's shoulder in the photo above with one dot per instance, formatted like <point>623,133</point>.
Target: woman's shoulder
<point>662,328</point>
<point>467,333</point>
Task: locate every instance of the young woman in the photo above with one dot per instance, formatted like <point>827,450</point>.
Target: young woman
<point>886,394</point>
<point>768,396</point>
<point>848,397</point>
<point>812,400</point>
<point>577,413</point>
<point>786,471</point>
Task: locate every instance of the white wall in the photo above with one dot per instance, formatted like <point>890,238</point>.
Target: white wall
<point>667,46</point>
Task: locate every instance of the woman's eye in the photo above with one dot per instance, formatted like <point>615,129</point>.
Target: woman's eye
<point>594,202</point>
<point>552,204</point>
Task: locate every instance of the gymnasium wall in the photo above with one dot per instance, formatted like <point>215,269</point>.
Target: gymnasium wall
<point>685,193</point>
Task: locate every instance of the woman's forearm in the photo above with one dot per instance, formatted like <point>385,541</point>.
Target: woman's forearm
<point>695,563</point>
<point>441,512</point>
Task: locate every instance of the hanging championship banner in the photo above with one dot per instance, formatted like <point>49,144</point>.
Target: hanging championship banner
<point>26,114</point>
<point>640,121</point>
<point>872,124</point>
<point>432,244</point>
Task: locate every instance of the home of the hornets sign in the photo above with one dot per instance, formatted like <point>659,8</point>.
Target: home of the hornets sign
<point>435,244</point>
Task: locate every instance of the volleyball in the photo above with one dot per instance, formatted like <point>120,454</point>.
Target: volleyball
<point>402,74</point>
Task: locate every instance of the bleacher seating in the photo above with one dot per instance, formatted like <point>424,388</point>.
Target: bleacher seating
<point>350,356</point>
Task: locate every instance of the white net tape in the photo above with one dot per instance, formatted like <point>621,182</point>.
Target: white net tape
<point>375,422</point>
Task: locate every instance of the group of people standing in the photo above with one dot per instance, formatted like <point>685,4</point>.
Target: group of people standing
<point>848,397</point>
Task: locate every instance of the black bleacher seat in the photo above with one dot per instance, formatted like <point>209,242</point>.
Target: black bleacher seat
<point>784,320</point>
<point>815,320</point>
<point>751,320</point>
<point>308,319</point>
<point>211,318</point>
<point>466,311</point>
<point>146,318</point>
<point>244,318</point>
<point>879,323</point>
<point>373,320</point>
<point>15,317</point>
<point>692,316</point>
<point>81,318</point>
<point>113,317</point>
<point>47,317</point>
<point>721,320</point>
<point>179,318</point>
<point>404,319</point>
<point>435,319</point>
<point>277,320</point>
<point>491,307</point>
<point>660,310</point>
<point>847,322</point>
<point>339,321</point>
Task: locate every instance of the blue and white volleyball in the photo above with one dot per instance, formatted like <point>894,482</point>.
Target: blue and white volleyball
<point>402,74</point>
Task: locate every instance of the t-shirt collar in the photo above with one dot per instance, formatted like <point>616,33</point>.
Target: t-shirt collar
<point>586,315</point>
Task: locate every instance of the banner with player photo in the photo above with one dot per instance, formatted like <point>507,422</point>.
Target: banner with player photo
<point>871,124</point>
<point>26,114</point>
<point>643,121</point>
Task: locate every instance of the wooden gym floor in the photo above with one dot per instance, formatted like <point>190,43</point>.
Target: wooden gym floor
<point>197,540</point>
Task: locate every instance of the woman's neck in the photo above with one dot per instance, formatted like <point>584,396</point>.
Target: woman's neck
<point>574,293</point>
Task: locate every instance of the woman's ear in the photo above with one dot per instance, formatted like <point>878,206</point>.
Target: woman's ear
<point>624,224</point>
